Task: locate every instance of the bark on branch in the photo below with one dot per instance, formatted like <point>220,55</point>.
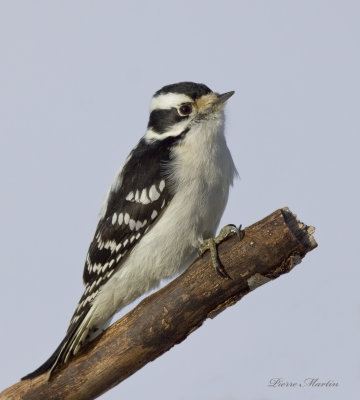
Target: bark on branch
<point>270,248</point>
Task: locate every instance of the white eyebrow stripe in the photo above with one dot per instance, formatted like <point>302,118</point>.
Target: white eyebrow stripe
<point>169,100</point>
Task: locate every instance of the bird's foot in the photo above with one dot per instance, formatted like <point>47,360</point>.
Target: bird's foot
<point>210,244</point>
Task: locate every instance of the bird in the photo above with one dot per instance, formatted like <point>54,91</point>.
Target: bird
<point>162,210</point>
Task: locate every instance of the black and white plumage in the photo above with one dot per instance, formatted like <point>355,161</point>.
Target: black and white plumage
<point>165,201</point>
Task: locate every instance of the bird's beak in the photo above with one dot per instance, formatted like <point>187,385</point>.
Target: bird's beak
<point>224,97</point>
<point>212,102</point>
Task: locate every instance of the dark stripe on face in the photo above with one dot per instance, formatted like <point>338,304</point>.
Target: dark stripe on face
<point>191,89</point>
<point>161,120</point>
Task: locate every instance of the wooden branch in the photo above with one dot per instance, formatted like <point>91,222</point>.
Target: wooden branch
<point>270,247</point>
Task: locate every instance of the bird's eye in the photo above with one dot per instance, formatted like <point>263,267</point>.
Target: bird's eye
<point>185,109</point>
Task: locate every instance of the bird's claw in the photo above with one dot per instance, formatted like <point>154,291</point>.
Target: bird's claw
<point>210,244</point>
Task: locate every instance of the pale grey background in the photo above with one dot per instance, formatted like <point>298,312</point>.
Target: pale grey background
<point>76,80</point>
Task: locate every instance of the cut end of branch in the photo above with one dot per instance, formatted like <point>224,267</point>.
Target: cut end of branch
<point>302,232</point>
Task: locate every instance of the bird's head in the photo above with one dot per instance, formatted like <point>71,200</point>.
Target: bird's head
<point>177,108</point>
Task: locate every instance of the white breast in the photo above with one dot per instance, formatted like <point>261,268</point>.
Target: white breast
<point>201,172</point>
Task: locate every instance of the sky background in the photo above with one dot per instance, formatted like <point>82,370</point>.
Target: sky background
<point>76,79</point>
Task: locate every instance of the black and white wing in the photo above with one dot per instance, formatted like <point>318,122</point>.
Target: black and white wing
<point>137,198</point>
<point>135,202</point>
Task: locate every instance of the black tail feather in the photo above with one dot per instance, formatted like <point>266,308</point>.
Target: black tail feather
<point>48,363</point>
<point>58,356</point>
